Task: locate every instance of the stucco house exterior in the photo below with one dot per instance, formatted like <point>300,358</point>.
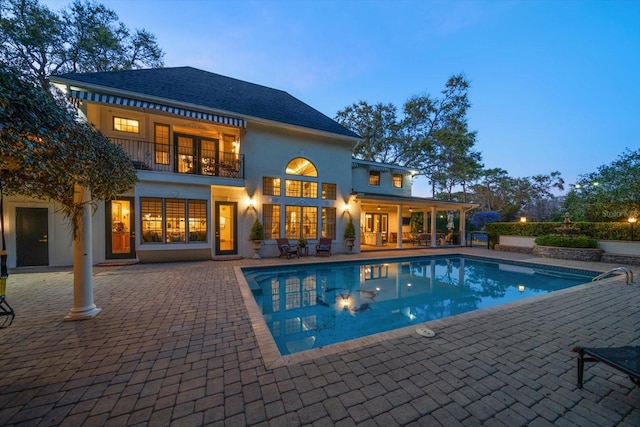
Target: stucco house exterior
<point>212,154</point>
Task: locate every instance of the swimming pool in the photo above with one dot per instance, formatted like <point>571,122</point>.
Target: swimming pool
<point>315,305</point>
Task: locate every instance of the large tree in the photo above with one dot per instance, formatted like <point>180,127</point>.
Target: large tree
<point>432,136</point>
<point>85,37</point>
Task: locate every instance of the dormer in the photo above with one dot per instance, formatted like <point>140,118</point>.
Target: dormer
<point>381,178</point>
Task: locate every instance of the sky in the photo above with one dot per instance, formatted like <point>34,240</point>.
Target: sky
<point>554,84</point>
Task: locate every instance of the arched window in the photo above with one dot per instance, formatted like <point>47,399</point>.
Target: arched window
<point>301,166</point>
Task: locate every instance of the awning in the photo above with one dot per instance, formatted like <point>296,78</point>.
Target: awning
<point>128,102</point>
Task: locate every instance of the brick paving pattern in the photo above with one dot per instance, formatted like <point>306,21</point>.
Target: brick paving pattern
<point>174,345</point>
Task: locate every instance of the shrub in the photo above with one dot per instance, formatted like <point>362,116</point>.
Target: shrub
<point>350,230</point>
<point>566,242</point>
<point>257,231</point>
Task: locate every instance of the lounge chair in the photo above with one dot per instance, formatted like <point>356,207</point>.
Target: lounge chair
<point>323,246</point>
<point>625,359</point>
<point>286,249</point>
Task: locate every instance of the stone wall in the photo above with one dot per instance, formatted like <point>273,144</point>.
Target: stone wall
<point>621,259</point>
<point>576,254</point>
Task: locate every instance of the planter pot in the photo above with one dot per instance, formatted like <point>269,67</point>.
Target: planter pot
<point>577,254</point>
<point>350,243</point>
<point>256,248</point>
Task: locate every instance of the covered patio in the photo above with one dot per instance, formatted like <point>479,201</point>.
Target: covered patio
<point>396,222</point>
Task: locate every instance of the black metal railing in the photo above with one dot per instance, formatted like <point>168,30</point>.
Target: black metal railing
<point>147,155</point>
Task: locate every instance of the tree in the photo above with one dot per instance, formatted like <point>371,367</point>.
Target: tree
<point>612,193</point>
<point>45,151</point>
<point>378,126</point>
<point>432,136</point>
<point>85,37</point>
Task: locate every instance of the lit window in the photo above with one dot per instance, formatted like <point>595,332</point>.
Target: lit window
<point>270,186</point>
<point>374,178</point>
<point>162,144</point>
<point>397,180</point>
<point>301,222</point>
<point>328,191</point>
<point>126,125</point>
<point>304,189</point>
<point>301,166</point>
<point>329,223</point>
<point>271,221</point>
<point>173,220</point>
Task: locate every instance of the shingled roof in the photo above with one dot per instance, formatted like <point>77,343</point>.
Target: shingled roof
<point>210,91</point>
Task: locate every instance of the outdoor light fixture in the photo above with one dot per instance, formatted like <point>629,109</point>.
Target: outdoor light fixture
<point>521,288</point>
<point>410,209</point>
<point>251,202</point>
<point>345,207</point>
<point>378,207</point>
<point>523,219</point>
<point>632,220</point>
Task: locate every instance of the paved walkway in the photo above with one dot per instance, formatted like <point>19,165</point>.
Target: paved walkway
<point>174,345</point>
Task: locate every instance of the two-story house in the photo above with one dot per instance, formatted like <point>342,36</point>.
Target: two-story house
<point>212,154</point>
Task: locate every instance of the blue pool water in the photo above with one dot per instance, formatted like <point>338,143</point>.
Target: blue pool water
<point>310,306</point>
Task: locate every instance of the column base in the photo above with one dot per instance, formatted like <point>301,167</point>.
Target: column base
<point>82,313</point>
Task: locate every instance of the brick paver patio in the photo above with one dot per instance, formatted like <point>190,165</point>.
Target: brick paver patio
<point>175,345</point>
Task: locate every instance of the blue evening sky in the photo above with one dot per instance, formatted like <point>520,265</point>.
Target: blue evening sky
<point>554,84</point>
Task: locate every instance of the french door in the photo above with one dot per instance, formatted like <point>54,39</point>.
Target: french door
<point>194,154</point>
<point>226,228</point>
<point>120,229</point>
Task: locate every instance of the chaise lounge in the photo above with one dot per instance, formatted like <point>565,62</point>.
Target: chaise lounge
<point>286,250</point>
<point>625,359</point>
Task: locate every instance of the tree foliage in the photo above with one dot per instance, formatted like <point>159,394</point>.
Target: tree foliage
<point>84,37</point>
<point>432,136</point>
<point>612,193</point>
<point>45,150</point>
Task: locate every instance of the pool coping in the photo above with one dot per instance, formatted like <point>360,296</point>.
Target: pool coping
<point>272,357</point>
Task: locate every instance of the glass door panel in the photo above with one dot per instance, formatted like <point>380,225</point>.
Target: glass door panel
<point>120,233</point>
<point>226,228</point>
<point>208,156</point>
<point>185,151</point>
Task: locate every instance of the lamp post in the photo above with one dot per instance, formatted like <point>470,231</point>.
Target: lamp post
<point>632,220</point>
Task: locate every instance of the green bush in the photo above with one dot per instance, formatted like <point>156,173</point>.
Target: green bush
<point>566,242</point>
<point>257,231</point>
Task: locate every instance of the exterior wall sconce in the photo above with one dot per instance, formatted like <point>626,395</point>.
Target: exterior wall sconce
<point>523,219</point>
<point>521,288</point>
<point>251,202</point>
<point>345,207</point>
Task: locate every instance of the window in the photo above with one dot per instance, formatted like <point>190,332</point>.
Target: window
<point>161,145</point>
<point>329,223</point>
<point>305,189</point>
<point>301,166</point>
<point>328,191</point>
<point>197,220</point>
<point>173,220</point>
<point>301,221</point>
<point>397,180</point>
<point>374,178</point>
<point>271,221</point>
<point>270,186</point>
<point>126,125</point>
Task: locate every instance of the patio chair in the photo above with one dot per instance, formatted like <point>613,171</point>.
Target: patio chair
<point>625,359</point>
<point>323,246</point>
<point>286,249</point>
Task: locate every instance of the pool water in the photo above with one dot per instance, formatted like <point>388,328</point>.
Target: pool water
<point>311,306</point>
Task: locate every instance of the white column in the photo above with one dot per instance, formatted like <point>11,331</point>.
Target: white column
<point>434,240</point>
<point>83,306</point>
<point>462,226</point>
<point>399,225</point>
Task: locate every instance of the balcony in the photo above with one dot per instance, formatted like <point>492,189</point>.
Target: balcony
<point>164,158</point>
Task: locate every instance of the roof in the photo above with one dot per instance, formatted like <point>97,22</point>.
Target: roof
<point>188,85</point>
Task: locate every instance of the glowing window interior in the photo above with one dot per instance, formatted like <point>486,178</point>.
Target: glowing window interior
<point>301,166</point>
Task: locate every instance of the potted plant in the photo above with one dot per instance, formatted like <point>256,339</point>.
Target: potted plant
<point>257,237</point>
<point>302,242</point>
<point>350,234</point>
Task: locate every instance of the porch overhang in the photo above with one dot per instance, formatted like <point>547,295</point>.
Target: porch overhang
<point>411,202</point>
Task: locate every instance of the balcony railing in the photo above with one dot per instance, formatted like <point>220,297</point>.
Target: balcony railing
<point>163,157</point>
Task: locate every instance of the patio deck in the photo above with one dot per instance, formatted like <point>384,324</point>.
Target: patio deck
<point>175,345</point>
